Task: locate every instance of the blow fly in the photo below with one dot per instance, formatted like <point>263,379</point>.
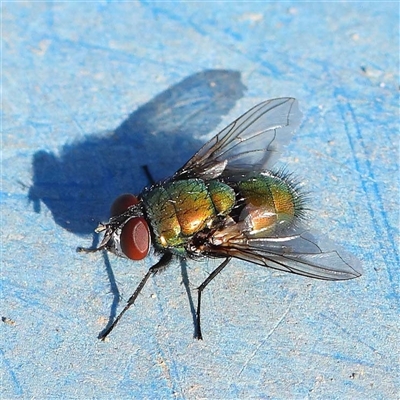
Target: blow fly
<point>226,202</point>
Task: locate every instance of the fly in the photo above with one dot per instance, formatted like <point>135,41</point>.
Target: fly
<point>227,202</point>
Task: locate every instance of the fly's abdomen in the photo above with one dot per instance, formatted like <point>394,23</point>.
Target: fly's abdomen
<point>179,209</point>
<point>272,203</point>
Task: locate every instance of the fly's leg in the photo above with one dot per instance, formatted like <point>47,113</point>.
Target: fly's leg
<point>89,250</point>
<point>103,245</point>
<point>200,289</point>
<point>162,263</point>
<point>148,174</point>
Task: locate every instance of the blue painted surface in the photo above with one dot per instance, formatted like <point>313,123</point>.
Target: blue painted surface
<point>92,91</point>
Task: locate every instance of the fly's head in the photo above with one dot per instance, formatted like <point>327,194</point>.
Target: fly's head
<point>127,233</point>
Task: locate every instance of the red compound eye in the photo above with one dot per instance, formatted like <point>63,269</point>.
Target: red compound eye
<point>135,238</point>
<point>122,203</point>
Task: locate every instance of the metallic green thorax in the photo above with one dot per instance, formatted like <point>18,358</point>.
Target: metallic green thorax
<point>264,203</point>
<point>179,209</point>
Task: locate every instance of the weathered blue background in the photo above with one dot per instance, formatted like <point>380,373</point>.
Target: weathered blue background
<point>93,91</point>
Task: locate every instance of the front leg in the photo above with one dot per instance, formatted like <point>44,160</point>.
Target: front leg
<point>162,263</point>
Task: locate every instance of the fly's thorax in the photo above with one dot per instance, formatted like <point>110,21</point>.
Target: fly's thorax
<point>179,209</point>
<point>271,203</point>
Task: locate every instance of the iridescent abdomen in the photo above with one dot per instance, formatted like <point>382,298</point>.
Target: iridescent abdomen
<point>179,209</point>
<point>272,203</point>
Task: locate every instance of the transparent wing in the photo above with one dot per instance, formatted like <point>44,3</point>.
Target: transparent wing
<point>305,253</point>
<point>251,143</point>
